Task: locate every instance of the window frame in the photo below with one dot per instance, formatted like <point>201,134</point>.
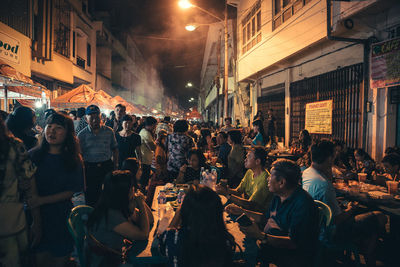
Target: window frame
<point>251,28</point>
<point>285,13</point>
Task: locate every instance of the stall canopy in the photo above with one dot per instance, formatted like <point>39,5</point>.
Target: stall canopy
<point>19,87</point>
<point>82,96</point>
<point>130,108</point>
<point>194,115</point>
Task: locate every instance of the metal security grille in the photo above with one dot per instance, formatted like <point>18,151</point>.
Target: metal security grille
<point>275,101</point>
<point>344,87</point>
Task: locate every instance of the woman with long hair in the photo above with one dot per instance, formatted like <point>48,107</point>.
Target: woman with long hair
<point>198,234</point>
<point>20,123</point>
<point>119,214</point>
<point>59,175</point>
<point>16,184</point>
<point>261,138</point>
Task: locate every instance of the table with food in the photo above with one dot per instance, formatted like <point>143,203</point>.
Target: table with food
<point>167,199</point>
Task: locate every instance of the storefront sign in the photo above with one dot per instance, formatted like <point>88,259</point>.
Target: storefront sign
<point>9,48</point>
<point>319,117</point>
<point>385,63</point>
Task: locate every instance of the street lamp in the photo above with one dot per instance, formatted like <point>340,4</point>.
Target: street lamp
<point>189,84</point>
<point>185,4</point>
<point>191,27</point>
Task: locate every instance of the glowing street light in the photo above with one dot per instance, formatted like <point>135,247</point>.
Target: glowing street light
<point>191,27</point>
<point>189,84</point>
<point>192,99</point>
<point>185,4</point>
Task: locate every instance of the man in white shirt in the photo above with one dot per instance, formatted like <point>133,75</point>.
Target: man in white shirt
<point>147,149</point>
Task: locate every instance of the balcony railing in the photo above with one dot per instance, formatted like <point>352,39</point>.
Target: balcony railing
<point>80,62</point>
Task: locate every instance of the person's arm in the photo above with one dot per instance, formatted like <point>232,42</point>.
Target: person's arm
<point>36,227</point>
<point>258,217</point>
<point>116,158</point>
<point>181,176</point>
<point>131,231</point>
<point>246,204</point>
<point>176,220</point>
<point>37,201</point>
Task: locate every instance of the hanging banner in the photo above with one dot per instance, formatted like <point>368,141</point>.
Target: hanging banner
<point>319,117</point>
<point>385,63</point>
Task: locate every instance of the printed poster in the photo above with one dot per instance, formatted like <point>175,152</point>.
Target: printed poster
<point>319,117</point>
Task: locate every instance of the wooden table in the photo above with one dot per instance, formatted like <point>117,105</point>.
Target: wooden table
<point>232,227</point>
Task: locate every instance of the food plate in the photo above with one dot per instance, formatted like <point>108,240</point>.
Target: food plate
<point>171,195</point>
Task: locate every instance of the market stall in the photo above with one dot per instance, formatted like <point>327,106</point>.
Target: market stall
<point>18,89</point>
<point>82,96</point>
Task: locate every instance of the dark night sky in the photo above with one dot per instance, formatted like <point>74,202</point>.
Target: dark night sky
<point>159,29</point>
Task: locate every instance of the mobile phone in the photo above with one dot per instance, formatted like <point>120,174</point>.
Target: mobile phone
<point>243,220</point>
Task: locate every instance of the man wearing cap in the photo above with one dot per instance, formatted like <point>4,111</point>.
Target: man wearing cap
<point>98,145</point>
<point>116,123</point>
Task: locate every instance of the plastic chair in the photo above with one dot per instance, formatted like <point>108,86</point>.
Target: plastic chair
<point>325,218</point>
<point>77,227</point>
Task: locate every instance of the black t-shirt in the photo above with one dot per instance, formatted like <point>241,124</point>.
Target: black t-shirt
<point>127,146</point>
<point>191,174</point>
<point>271,123</point>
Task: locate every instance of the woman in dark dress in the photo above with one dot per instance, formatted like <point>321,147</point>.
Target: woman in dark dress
<point>127,140</point>
<point>198,235</point>
<point>191,173</point>
<point>59,175</point>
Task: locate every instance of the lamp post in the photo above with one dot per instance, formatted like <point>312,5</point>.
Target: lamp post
<point>186,4</point>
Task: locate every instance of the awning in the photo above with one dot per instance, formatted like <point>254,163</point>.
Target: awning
<point>82,96</point>
<point>130,108</point>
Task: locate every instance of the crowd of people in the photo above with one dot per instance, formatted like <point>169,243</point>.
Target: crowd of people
<point>116,162</point>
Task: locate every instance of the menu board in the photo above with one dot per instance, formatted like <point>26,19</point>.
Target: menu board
<point>319,117</point>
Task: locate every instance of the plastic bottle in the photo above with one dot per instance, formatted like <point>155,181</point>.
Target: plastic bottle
<point>202,175</point>
<point>162,201</point>
<point>181,196</point>
<point>214,177</point>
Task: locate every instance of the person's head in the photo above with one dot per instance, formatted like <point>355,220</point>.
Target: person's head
<point>115,195</point>
<point>126,122</point>
<point>132,165</point>
<point>162,138</point>
<point>134,118</point>
<point>205,132</point>
<point>391,163</point>
<point>150,123</point>
<point>59,133</point>
<point>270,112</point>
<point>237,121</point>
<point>285,176</point>
<point>322,153</point>
<point>72,114</point>
<point>120,111</point>
<point>228,121</point>
<point>93,117</point>
<point>360,155</point>
<point>259,113</point>
<point>21,120</point>
<point>222,138</point>
<point>202,222</point>
<point>339,147</point>
<point>167,119</point>
<point>258,126</point>
<point>304,135</point>
<point>234,137</point>
<point>181,126</point>
<point>196,158</point>
<point>256,158</point>
<point>80,112</point>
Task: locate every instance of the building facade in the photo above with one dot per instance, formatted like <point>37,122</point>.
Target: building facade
<point>292,53</point>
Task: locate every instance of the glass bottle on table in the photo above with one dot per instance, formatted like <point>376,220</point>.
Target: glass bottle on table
<point>162,201</point>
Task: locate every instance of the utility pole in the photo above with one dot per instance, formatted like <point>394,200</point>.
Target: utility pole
<point>226,63</point>
<point>218,78</point>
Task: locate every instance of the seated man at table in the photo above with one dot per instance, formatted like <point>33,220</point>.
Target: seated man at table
<point>291,229</point>
<point>362,228</point>
<point>252,192</point>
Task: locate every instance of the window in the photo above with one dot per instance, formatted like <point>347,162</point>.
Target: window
<point>62,28</point>
<point>73,43</point>
<point>251,28</point>
<point>88,54</point>
<point>15,14</point>
<point>285,9</point>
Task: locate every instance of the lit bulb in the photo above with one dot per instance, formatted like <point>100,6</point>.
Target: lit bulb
<point>190,27</point>
<point>185,4</point>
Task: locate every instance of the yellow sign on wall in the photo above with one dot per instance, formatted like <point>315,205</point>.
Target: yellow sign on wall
<point>319,117</point>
